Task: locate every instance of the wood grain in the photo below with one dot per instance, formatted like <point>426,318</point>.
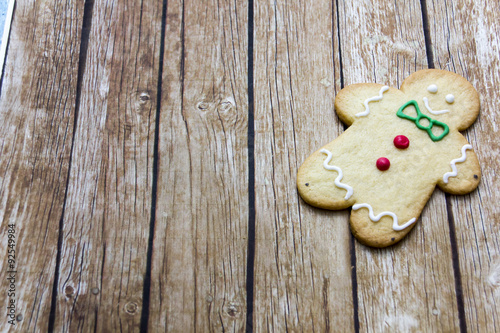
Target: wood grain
<point>37,110</point>
<point>198,279</point>
<point>408,287</point>
<point>302,262</point>
<point>465,40</point>
<point>107,215</point>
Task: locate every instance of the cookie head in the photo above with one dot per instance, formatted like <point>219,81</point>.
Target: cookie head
<point>445,96</point>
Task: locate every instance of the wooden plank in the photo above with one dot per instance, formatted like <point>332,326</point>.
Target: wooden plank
<point>465,40</point>
<point>198,277</point>
<point>411,286</point>
<point>37,109</point>
<point>302,279</point>
<point>107,215</point>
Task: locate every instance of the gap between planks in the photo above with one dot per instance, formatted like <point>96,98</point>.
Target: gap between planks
<point>451,219</point>
<point>86,26</point>
<point>146,293</point>
<point>250,269</point>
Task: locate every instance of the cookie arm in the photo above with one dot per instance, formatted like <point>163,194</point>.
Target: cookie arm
<point>357,100</point>
<point>464,177</point>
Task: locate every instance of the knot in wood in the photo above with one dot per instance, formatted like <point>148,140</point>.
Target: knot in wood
<point>68,291</point>
<point>227,104</point>
<point>144,97</point>
<point>94,291</point>
<point>131,307</point>
<point>203,106</point>
<point>232,310</point>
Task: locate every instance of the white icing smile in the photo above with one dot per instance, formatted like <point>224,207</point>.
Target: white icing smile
<point>426,102</point>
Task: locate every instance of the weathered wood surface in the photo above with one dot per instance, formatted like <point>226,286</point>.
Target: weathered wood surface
<point>465,40</point>
<point>150,173</point>
<point>198,279</point>
<point>302,262</point>
<point>107,213</point>
<point>37,110</point>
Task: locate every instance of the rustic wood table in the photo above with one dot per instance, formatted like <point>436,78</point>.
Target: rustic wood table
<point>148,159</point>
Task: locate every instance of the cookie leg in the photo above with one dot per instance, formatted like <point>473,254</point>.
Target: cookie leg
<point>379,229</point>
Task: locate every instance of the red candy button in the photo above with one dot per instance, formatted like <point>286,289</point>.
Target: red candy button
<point>401,142</point>
<point>383,164</point>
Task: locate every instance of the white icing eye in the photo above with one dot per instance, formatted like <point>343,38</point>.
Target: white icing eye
<point>450,99</point>
<point>432,88</point>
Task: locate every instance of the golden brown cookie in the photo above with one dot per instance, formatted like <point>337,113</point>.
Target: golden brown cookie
<point>400,144</point>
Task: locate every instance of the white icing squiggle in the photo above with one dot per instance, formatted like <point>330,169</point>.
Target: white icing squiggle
<point>372,99</point>
<point>453,163</point>
<point>426,102</point>
<point>339,177</point>
<point>395,225</point>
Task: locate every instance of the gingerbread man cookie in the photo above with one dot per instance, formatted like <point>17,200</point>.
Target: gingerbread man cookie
<point>399,145</point>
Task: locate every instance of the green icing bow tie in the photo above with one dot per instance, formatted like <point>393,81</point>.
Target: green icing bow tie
<point>420,115</point>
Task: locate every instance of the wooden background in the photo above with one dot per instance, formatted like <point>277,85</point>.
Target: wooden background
<point>148,153</point>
